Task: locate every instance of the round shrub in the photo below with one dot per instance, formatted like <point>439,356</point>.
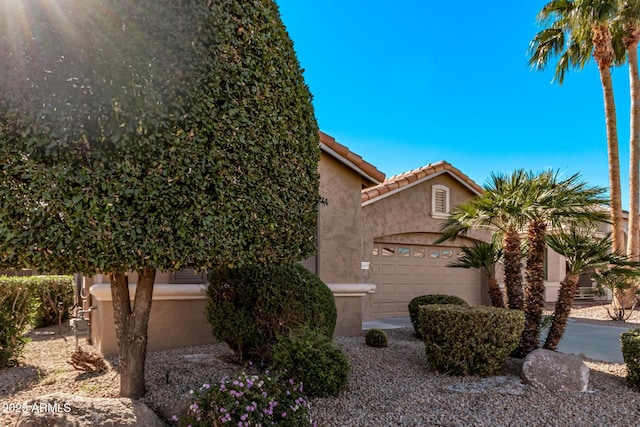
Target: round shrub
<point>462,340</point>
<point>375,338</point>
<point>250,307</point>
<point>414,307</point>
<point>312,358</point>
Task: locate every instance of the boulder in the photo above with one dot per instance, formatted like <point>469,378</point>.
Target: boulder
<point>555,371</point>
<point>67,410</point>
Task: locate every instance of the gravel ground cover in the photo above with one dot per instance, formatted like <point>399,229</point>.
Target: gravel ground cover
<point>388,387</point>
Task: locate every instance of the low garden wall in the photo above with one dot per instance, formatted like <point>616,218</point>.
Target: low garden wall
<point>177,317</point>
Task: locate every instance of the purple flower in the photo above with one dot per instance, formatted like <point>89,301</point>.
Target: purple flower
<point>284,415</point>
<point>174,418</point>
<point>244,417</point>
<point>207,386</point>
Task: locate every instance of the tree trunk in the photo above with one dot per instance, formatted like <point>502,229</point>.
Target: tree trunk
<point>567,292</point>
<point>131,329</point>
<point>603,55</point>
<point>633,238</point>
<point>495,293</point>
<point>534,305</point>
<point>513,269</point>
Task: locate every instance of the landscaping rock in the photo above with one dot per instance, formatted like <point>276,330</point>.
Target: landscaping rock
<point>555,371</point>
<point>67,410</point>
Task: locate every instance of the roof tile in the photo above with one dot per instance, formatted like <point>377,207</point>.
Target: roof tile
<point>402,180</point>
<point>366,168</point>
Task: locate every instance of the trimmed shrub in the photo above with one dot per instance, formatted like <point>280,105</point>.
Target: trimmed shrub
<point>16,313</point>
<point>375,338</point>
<point>312,358</point>
<point>48,291</point>
<point>250,307</point>
<point>462,340</point>
<point>414,307</point>
<point>248,399</point>
<point>631,355</point>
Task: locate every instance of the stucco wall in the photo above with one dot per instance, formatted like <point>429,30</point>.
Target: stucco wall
<point>340,223</point>
<point>408,213</point>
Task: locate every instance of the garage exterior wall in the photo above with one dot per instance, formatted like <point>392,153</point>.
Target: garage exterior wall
<point>409,211</point>
<point>405,217</point>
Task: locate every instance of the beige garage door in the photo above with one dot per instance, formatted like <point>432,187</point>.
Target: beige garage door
<point>402,272</point>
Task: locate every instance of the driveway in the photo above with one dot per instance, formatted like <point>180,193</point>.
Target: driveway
<point>597,342</point>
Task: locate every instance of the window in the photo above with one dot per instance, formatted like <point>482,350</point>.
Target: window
<point>439,201</point>
<point>418,253</point>
<point>447,253</point>
<point>404,251</point>
<point>375,251</point>
<point>188,276</point>
<point>388,251</point>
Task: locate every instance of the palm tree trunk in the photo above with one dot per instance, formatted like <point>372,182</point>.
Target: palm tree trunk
<point>633,239</point>
<point>131,324</point>
<point>567,292</point>
<point>513,269</point>
<point>495,293</point>
<point>534,306</point>
<point>603,55</point>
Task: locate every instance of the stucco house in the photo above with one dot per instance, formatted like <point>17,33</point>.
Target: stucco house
<point>375,250</point>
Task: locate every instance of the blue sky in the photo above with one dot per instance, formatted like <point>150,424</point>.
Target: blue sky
<point>408,83</point>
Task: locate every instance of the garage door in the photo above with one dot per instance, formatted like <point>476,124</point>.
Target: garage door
<point>402,272</point>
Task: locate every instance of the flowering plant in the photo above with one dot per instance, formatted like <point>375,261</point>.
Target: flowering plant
<point>249,399</point>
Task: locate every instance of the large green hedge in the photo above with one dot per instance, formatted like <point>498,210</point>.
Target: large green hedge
<point>462,340</point>
<point>16,313</point>
<point>153,133</point>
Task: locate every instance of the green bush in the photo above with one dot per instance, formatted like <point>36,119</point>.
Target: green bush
<point>48,291</point>
<point>462,340</point>
<point>248,399</point>
<point>312,358</point>
<point>631,355</point>
<point>16,313</point>
<point>414,307</point>
<point>250,307</point>
<point>375,338</point>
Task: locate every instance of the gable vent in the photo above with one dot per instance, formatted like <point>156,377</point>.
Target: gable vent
<point>440,201</point>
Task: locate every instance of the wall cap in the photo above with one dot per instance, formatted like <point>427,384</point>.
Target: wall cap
<point>351,289</point>
<point>161,291</point>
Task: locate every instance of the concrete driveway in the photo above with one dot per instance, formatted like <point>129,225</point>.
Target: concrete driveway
<point>595,341</point>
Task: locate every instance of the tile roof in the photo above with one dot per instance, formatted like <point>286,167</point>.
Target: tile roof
<point>398,182</point>
<point>366,169</point>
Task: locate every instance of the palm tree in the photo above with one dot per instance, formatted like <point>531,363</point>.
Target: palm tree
<point>630,17</point>
<point>497,209</point>
<point>576,31</point>
<point>551,202</point>
<point>584,253</point>
<point>483,256</point>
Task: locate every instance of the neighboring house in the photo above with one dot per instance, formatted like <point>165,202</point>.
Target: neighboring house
<point>375,250</point>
